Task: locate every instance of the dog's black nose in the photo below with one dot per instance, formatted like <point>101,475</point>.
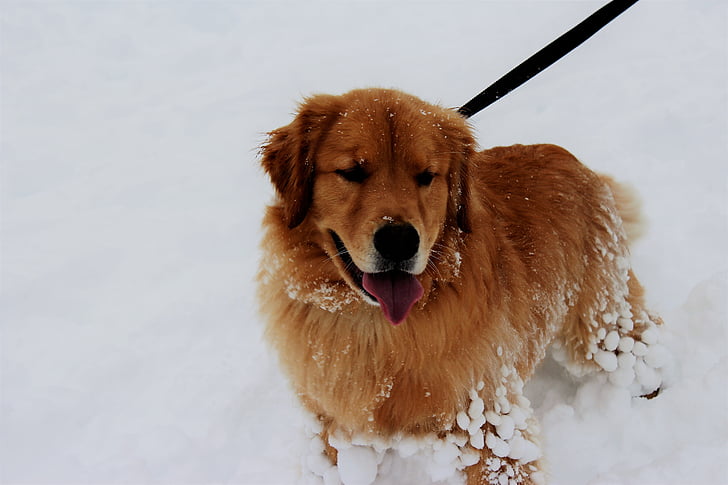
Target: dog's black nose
<point>397,242</point>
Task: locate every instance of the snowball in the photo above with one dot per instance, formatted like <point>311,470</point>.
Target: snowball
<point>477,406</point>
<point>519,417</point>
<point>593,349</point>
<point>505,405</point>
<point>602,303</point>
<point>407,446</point>
<point>658,356</point>
<point>626,360</point>
<point>647,376</point>
<point>622,377</point>
<point>601,333</point>
<point>498,446</point>
<point>524,450</point>
<point>446,454</point>
<point>625,324</point>
<point>469,458</point>
<point>461,440</point>
<point>606,360</point>
<point>477,441</point>
<point>476,424</point>
<point>517,445</point>
<point>649,336</point>
<point>626,344</point>
<point>463,420</point>
<point>639,349</point>
<point>493,418</point>
<point>531,452</point>
<point>611,341</point>
<point>506,428</point>
<point>480,386</point>
<point>318,464</point>
<point>357,465</point>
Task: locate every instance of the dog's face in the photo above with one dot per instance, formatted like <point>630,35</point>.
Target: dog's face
<point>381,176</point>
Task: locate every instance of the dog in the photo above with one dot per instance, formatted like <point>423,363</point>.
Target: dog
<point>412,283</point>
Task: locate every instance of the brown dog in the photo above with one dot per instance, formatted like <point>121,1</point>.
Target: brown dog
<point>411,283</point>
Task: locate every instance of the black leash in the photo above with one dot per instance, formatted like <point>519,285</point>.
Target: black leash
<point>546,56</point>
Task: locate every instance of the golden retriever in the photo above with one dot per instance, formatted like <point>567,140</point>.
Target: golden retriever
<point>411,284</point>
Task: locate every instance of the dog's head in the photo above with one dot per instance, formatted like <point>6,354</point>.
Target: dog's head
<point>382,177</point>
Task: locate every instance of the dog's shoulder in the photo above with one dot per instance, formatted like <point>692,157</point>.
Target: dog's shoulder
<point>529,159</point>
<point>531,174</point>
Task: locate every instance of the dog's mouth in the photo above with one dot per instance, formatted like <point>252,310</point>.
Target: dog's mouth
<point>352,269</point>
<point>396,291</point>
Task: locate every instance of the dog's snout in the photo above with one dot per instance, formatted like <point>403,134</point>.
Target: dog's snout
<point>397,242</point>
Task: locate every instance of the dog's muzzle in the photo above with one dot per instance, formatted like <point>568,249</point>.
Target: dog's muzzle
<point>391,283</point>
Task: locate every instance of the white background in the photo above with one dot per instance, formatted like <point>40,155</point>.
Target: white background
<point>131,201</point>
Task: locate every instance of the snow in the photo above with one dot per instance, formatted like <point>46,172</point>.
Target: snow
<point>131,201</point>
<point>357,465</point>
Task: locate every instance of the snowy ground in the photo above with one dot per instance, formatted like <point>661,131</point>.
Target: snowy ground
<point>131,199</point>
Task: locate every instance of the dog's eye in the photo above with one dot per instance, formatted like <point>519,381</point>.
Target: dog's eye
<point>424,178</point>
<point>355,174</point>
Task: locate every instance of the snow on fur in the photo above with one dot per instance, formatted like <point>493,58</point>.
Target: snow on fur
<point>131,203</point>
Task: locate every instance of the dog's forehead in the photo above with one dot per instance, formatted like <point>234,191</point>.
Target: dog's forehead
<point>389,111</point>
<point>381,130</point>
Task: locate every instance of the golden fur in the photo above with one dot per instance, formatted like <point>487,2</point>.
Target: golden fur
<point>523,246</point>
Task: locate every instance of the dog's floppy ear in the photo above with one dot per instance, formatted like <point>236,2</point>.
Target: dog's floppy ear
<point>284,161</point>
<point>289,155</point>
<point>462,149</point>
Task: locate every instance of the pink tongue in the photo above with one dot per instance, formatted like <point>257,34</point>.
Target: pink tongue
<point>396,291</point>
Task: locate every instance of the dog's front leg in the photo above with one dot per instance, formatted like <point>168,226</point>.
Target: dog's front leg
<point>504,435</point>
<point>322,458</point>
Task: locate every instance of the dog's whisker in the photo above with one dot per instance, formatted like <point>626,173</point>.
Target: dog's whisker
<point>434,269</point>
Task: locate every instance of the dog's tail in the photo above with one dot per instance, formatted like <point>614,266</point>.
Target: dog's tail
<point>629,207</point>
